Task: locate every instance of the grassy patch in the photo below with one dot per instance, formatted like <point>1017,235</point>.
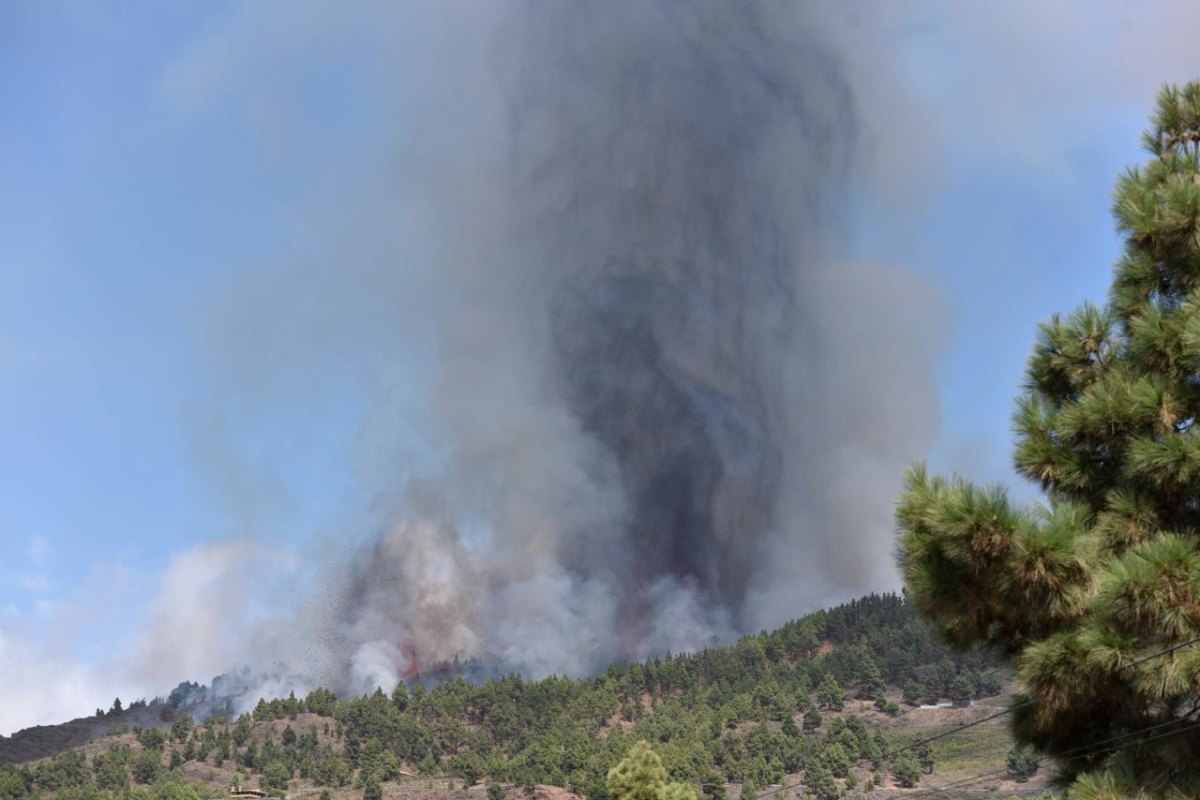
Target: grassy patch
<point>973,751</point>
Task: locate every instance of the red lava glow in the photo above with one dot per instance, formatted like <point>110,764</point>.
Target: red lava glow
<point>412,658</point>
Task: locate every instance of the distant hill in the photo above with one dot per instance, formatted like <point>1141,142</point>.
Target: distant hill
<point>825,702</point>
<point>46,740</point>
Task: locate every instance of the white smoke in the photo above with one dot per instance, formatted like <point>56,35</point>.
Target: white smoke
<point>655,403</point>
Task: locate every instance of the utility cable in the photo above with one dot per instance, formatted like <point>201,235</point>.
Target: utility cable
<point>997,715</point>
<point>1117,740</point>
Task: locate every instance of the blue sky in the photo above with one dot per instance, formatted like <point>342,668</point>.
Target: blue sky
<point>162,167</point>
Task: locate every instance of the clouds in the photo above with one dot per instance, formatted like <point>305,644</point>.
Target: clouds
<point>30,575</point>
<point>1027,112</point>
<point>1026,79</point>
<point>28,693</point>
<point>45,672</point>
<point>214,607</point>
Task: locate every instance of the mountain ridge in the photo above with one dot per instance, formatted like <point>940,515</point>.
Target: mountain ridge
<point>824,700</point>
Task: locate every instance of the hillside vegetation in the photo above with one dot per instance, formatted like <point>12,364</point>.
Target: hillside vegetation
<point>822,702</point>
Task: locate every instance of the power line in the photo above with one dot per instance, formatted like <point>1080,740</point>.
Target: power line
<point>997,715</point>
<point>959,729</point>
<point>1117,741</point>
<point>1019,706</point>
<point>960,782</point>
<point>910,746</point>
<point>1162,652</point>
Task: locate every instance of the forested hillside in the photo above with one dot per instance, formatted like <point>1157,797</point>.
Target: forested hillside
<point>823,699</point>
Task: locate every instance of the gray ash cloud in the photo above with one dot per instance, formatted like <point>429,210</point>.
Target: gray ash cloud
<point>663,410</point>
<point>678,159</point>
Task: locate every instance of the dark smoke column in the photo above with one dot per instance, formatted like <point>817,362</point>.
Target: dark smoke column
<point>678,158</point>
<point>622,392</point>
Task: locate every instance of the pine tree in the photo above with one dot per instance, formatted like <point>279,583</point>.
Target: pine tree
<point>641,776</point>
<point>400,696</point>
<point>836,760</point>
<point>962,691</point>
<point>906,770</point>
<point>924,753</point>
<point>819,781</point>
<point>932,689</point>
<point>1079,592</point>
<point>1022,764</point>
<point>872,685</point>
<point>830,693</point>
<point>372,788</point>
<point>274,779</point>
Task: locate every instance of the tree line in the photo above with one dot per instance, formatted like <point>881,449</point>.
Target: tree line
<point>770,705</point>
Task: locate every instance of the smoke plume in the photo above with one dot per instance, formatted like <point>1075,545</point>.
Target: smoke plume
<point>621,223</point>
<point>623,392</point>
<point>542,313</point>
